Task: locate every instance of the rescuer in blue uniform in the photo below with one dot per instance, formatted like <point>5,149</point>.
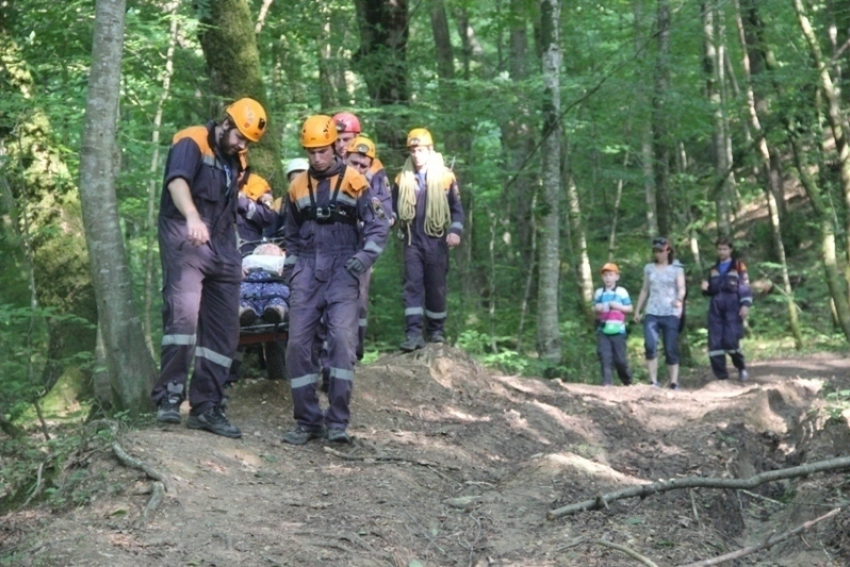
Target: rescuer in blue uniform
<point>333,236</point>
<point>728,286</point>
<point>426,203</point>
<point>201,265</point>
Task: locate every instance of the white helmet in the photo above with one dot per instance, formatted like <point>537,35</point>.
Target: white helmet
<point>297,164</point>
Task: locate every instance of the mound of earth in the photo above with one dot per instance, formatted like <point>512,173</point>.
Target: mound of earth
<point>455,465</point>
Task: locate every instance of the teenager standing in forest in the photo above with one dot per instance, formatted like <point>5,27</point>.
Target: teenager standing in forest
<point>201,265</point>
<point>663,294</point>
<point>362,155</point>
<point>728,286</point>
<point>332,237</point>
<point>426,202</point>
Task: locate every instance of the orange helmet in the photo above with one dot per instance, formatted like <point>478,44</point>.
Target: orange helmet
<point>610,267</point>
<point>419,137</point>
<point>249,118</point>
<point>346,122</point>
<point>362,145</point>
<point>318,131</point>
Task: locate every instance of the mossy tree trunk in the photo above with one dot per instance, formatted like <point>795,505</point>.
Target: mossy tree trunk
<point>229,43</point>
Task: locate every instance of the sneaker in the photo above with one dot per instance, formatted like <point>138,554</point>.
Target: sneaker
<point>674,386</point>
<point>411,343</point>
<point>168,410</point>
<point>300,435</point>
<point>247,316</point>
<point>337,435</point>
<point>214,421</point>
<point>437,338</point>
<point>655,385</point>
<point>274,313</point>
<point>743,375</point>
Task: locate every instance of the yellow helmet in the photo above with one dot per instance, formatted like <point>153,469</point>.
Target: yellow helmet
<point>362,145</point>
<point>318,131</point>
<point>249,118</point>
<point>419,137</point>
<point>255,187</point>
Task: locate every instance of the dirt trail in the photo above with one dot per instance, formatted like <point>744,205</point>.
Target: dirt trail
<point>454,465</point>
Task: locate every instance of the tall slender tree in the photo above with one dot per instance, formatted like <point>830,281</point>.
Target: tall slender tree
<point>549,263</point>
<point>131,366</point>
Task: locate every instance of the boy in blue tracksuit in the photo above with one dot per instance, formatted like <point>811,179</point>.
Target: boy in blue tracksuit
<point>611,304</point>
<point>728,286</point>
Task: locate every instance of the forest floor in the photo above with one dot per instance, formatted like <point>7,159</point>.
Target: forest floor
<point>453,464</point>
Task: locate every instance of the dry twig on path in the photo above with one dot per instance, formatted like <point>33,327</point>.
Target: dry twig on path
<point>766,544</point>
<point>601,501</point>
<point>628,551</point>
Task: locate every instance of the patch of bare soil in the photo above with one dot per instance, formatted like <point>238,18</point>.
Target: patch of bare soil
<point>454,465</point>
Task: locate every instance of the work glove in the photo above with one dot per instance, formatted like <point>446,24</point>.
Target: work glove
<point>355,266</point>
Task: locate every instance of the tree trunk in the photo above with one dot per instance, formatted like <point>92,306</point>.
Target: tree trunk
<point>154,183</point>
<point>131,367</point>
<point>585,274</point>
<point>548,333</point>
<point>660,120</point>
<point>230,49</point>
<point>382,60</point>
<point>834,117</point>
<point>35,170</point>
<point>827,236</point>
<point>713,67</point>
<point>647,152</point>
<point>772,184</point>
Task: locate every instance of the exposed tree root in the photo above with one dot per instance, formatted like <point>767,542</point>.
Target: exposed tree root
<point>157,493</point>
<point>766,544</point>
<point>601,501</point>
<point>129,461</point>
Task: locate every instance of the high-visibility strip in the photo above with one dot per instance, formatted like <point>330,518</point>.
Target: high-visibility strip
<point>178,340</point>
<point>252,211</point>
<point>303,381</point>
<point>372,247</point>
<point>363,322</point>
<point>733,351</point>
<point>435,315</point>
<point>302,203</point>
<point>213,356</point>
<point>290,260</point>
<point>342,374</point>
<point>746,301</point>
<point>717,353</point>
<point>457,225</point>
<point>413,311</point>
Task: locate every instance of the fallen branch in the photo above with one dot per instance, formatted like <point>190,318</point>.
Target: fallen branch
<point>129,461</point>
<point>628,551</point>
<point>601,501</point>
<point>766,544</point>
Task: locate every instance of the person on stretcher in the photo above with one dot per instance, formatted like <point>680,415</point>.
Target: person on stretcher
<point>263,293</point>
